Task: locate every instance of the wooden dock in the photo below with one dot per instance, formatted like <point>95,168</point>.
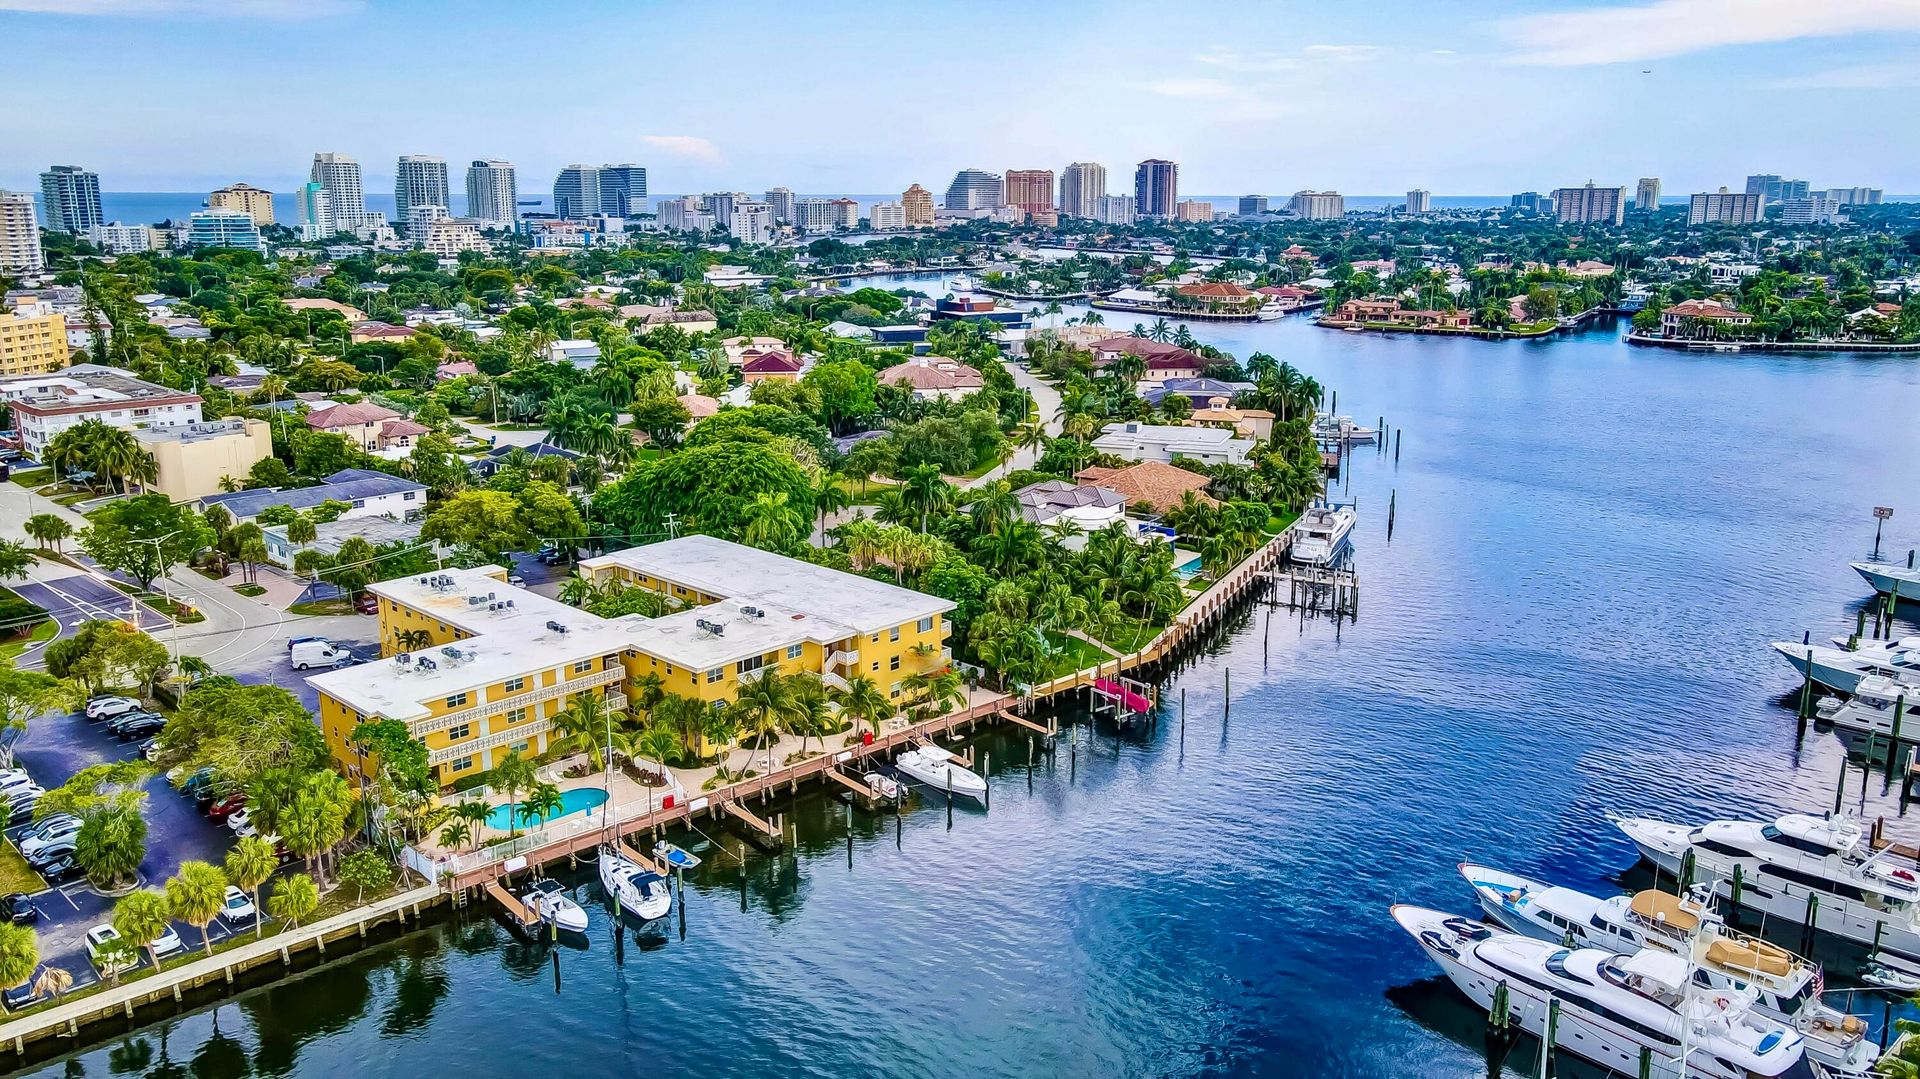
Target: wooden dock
<point>1010,716</point>
<point>515,910</point>
<point>1326,589</point>
<point>762,833</point>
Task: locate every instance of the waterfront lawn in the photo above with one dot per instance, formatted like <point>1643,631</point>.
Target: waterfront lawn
<point>15,874</point>
<point>1071,654</point>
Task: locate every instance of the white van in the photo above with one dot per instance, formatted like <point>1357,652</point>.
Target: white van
<point>305,654</point>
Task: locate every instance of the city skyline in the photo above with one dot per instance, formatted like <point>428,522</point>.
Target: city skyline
<point>1270,113</point>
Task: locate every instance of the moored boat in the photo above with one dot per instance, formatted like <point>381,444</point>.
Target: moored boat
<point>1886,577</point>
<point>1840,669</point>
<point>675,857</point>
<point>548,899</point>
<point>934,767</point>
<point>639,892</point>
<point>1322,535</point>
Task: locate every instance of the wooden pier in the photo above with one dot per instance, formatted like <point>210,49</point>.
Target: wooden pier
<point>515,910</point>
<point>760,832</point>
<point>1326,589</point>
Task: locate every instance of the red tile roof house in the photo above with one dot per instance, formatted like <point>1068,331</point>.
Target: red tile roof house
<point>934,376</point>
<point>1368,311</point>
<point>400,433</point>
<point>1689,317</point>
<point>1164,361</point>
<point>454,369</point>
<point>1218,294</point>
<point>364,332</point>
<point>1455,320</point>
<point>361,422</point>
<point>772,365</point>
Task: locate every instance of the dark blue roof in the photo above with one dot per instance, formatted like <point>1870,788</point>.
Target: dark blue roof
<point>244,504</point>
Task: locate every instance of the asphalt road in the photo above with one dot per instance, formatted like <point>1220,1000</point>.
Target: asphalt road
<point>83,598</point>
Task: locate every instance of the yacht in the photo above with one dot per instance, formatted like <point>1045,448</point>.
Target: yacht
<point>1796,865</point>
<point>935,767</point>
<point>548,899</point>
<point>1272,311</point>
<point>1785,986</point>
<point>1887,576</point>
<point>1840,669</point>
<point>1876,701</point>
<point>1612,1007</point>
<point>640,892</point>
<point>1322,534</point>
<point>1342,429</point>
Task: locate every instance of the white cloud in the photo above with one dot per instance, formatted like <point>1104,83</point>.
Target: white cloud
<point>1235,60</point>
<point>224,9</point>
<point>1191,88</point>
<point>690,147</point>
<point>1343,53</point>
<point>1619,34</point>
<point>1858,77</point>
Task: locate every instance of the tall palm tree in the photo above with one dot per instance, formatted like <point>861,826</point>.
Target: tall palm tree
<point>830,498</point>
<point>927,492</point>
<point>864,701</point>
<point>771,523</point>
<point>584,724</point>
<point>765,704</point>
<point>995,506</point>
<point>812,709</point>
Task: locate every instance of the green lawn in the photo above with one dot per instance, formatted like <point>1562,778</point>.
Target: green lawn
<point>15,875</point>
<point>868,497</point>
<point>182,613</point>
<point>322,606</point>
<point>249,590</point>
<point>44,631</point>
<point>1071,654</point>
<point>32,477</point>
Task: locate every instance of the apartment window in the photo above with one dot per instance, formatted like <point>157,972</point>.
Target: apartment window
<point>515,685</point>
<point>895,691</point>
<point>925,625</point>
<point>583,666</point>
<point>462,764</point>
<point>517,715</point>
<point>893,634</point>
<point>893,664</point>
<point>521,746</point>
<point>456,700</point>
<point>408,496</point>
<point>359,503</point>
<point>876,665</point>
<point>750,664</point>
<point>716,674</point>
<point>875,638</point>
<point>794,650</point>
<point>460,733</point>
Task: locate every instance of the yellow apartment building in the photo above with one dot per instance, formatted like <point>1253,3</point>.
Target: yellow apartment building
<point>477,667</point>
<point>32,344</point>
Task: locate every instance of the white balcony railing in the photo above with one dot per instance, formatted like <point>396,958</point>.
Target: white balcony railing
<point>521,732</point>
<point>567,688</point>
<point>832,680</point>
<point>844,659</point>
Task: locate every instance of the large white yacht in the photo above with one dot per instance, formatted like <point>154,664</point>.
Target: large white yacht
<point>1800,865</point>
<point>1842,669</point>
<point>1887,576</point>
<point>1321,535</point>
<point>1612,1006</point>
<point>1785,986</point>
<point>1876,702</point>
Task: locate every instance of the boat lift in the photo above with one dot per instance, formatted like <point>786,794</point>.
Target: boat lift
<point>1126,699</point>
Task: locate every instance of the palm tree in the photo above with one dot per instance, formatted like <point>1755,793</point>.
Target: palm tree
<point>193,668</point>
<point>48,530</point>
<point>19,953</point>
<point>864,700</point>
<point>995,506</point>
<point>249,864</point>
<point>812,714</point>
<point>52,982</point>
<point>765,704</point>
<point>584,724</point>
<point>771,523</point>
<point>577,591</point>
<point>927,492</point>
<point>542,802</point>
<point>456,834</point>
<point>659,742</point>
<point>830,498</point>
<point>1161,331</point>
<point>301,530</point>
<point>196,894</point>
<point>295,898</point>
<point>140,917</point>
<point>514,773</point>
<point>686,716</point>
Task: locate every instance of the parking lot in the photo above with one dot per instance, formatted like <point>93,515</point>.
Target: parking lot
<point>53,749</point>
<point>83,598</point>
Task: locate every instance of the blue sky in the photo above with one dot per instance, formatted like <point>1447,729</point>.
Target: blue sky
<point>821,96</point>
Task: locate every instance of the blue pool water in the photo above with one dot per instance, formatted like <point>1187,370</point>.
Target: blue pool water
<point>577,800</point>
<point>1593,545</point>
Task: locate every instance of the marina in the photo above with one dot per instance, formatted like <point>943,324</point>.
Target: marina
<point>1507,637</point>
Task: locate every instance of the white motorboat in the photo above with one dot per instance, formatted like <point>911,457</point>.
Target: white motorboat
<point>1797,865</point>
<point>1785,986</point>
<point>884,787</point>
<point>1612,1007</point>
<point>1271,311</point>
<point>934,767</point>
<point>1341,429</point>
<point>1322,534</point>
<point>1885,577</point>
<point>1839,669</point>
<point>1876,703</point>
<point>674,857</point>
<point>548,900</point>
<point>640,892</point>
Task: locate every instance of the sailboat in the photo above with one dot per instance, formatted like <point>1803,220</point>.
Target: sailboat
<point>640,892</point>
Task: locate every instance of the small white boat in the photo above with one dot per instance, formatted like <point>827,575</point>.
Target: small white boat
<point>884,787</point>
<point>935,767</point>
<point>1322,534</point>
<point>1887,576</point>
<point>640,892</point>
<point>674,857</point>
<point>549,900</point>
<point>1342,429</point>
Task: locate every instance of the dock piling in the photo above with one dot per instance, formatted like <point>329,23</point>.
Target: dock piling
<point>1840,787</point>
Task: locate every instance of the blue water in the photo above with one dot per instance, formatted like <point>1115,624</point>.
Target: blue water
<point>577,800</point>
<point>1592,545</point>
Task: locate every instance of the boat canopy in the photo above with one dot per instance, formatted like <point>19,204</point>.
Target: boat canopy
<point>1837,833</point>
<point>1755,956</point>
<point>1664,909</point>
<point>1654,965</point>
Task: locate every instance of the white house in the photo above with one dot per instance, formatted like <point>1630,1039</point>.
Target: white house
<point>366,493</point>
<point>577,351</point>
<point>1166,443</point>
<point>46,404</point>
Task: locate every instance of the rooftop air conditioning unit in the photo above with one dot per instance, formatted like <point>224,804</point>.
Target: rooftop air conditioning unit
<point>426,664</point>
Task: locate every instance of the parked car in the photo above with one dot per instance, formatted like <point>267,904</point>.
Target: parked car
<point>99,937</point>
<point>14,779</point>
<point>516,580</point>
<point>60,870</point>
<point>44,837</point>
<point>46,825</point>
<point>137,725</point>
<point>238,906</point>
<point>309,654</point>
<point>20,805</point>
<point>20,996</point>
<point>167,943</point>
<point>241,822</point>
<point>18,909</point>
<point>554,556</point>
<point>150,749</point>
<point>108,707</point>
<point>52,851</point>
<point>295,642</point>
<point>368,603</point>
<point>227,807</point>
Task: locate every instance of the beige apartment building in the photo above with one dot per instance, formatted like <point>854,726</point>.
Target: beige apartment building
<point>193,458</point>
<point>245,198</point>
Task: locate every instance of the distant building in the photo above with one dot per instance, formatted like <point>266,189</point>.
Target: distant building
<point>1532,202</point>
<point>1318,205</point>
<point>339,175</point>
<point>1691,318</point>
<point>418,180</point>
<point>192,459</point>
<point>845,213</point>
<point>20,251</point>
<point>781,199</point>
<point>930,377</point>
<point>576,192</point>
<point>1082,185</point>
<point>975,189</point>
<point>369,493</point>
<point>1855,196</point>
<point>1646,197</point>
<point>1193,210</point>
<point>720,204</point>
<point>814,215</point>
<point>683,215</point>
<point>752,222</point>
<point>1169,443</point>
<point>1252,205</point>
<point>1776,189</point>
<point>32,340</point>
<point>449,236</point>
<point>493,194</point>
<point>917,203</point>
<point>315,208</point>
<point>1419,201</point>
<point>1725,207</point>
<point>117,239</point>
<point>1114,210</point>
<point>1811,210</point>
<point>248,199</point>
<point>887,216</point>
<point>1156,187</point>
<point>623,190</point>
<point>1030,189</point>
<point>71,195</point>
<point>1591,205</point>
<point>224,228</point>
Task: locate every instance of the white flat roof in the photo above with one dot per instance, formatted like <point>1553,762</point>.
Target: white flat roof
<point>718,567</point>
<point>687,638</point>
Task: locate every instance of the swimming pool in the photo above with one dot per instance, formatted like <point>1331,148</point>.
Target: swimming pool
<point>577,800</point>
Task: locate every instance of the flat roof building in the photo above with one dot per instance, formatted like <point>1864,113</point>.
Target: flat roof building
<point>46,404</point>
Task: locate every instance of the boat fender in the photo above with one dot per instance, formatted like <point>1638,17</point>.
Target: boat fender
<point>1721,1003</point>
